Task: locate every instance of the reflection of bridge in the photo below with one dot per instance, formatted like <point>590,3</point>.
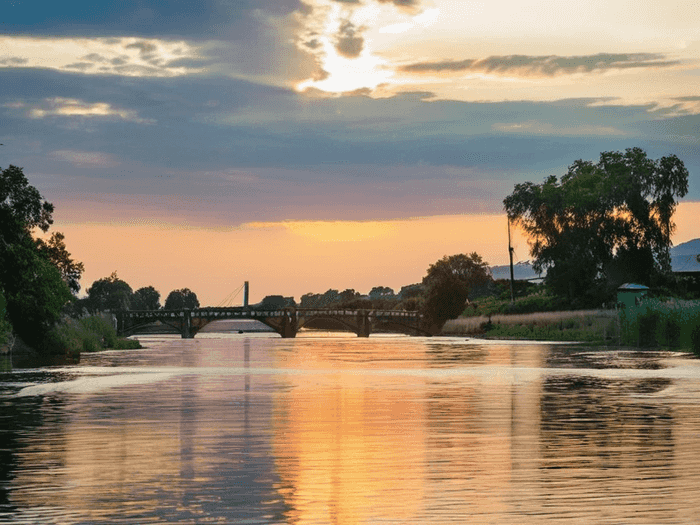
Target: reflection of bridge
<point>286,321</point>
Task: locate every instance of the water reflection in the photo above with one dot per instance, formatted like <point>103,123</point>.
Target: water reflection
<point>346,431</point>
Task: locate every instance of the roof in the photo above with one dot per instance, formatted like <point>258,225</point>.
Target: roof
<point>632,287</point>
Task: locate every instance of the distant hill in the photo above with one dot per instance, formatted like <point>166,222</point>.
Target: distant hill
<point>522,271</point>
<point>686,248</point>
<point>685,258</point>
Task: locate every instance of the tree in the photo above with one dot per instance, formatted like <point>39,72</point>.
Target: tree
<point>22,207</point>
<point>146,298</point>
<point>448,284</point>
<point>55,250</point>
<point>109,294</point>
<point>381,292</point>
<point>181,299</point>
<point>32,285</point>
<point>601,224</point>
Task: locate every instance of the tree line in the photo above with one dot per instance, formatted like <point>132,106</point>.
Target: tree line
<point>601,224</point>
<point>40,280</point>
<point>111,294</point>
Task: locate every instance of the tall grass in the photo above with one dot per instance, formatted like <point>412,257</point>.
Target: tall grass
<point>88,334</point>
<point>595,326</point>
<point>671,323</point>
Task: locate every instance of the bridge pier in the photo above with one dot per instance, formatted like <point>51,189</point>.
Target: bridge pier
<point>289,327</point>
<point>364,324</point>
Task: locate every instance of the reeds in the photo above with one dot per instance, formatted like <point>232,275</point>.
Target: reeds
<point>599,326</point>
<point>671,323</point>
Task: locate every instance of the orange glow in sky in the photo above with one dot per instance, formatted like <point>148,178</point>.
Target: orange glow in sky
<point>296,257</point>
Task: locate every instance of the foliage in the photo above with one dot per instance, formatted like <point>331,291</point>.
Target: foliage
<point>33,287</point>
<point>665,323</point>
<point>448,283</point>
<point>601,224</point>
<point>145,298</point>
<point>55,250</point>
<point>273,302</point>
<point>21,206</point>
<point>109,294</point>
<point>311,300</point>
<point>5,327</point>
<point>181,299</point>
<point>89,334</point>
<point>381,292</point>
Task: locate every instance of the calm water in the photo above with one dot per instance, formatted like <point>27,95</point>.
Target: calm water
<point>342,430</point>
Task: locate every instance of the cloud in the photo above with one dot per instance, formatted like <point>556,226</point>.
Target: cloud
<point>547,128</point>
<point>70,107</point>
<point>104,56</point>
<point>86,158</point>
<point>349,42</point>
<point>544,66</point>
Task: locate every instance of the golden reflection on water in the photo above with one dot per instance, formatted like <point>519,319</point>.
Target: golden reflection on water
<point>348,431</point>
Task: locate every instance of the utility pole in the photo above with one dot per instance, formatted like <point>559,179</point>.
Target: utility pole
<point>510,255</point>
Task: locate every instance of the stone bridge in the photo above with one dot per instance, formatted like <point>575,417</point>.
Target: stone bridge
<point>286,322</point>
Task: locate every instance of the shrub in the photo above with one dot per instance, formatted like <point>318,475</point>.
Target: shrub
<point>695,340</point>
<point>669,323</point>
<point>89,334</point>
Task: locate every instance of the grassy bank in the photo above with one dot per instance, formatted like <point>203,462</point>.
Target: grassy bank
<point>88,334</point>
<point>671,323</point>
<point>592,326</point>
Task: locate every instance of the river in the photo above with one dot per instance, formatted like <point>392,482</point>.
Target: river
<point>335,429</point>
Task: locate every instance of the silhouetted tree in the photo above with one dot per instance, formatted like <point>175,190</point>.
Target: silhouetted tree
<point>601,224</point>
<point>109,294</point>
<point>55,250</point>
<point>32,285</point>
<point>448,283</point>
<point>180,299</point>
<point>146,298</point>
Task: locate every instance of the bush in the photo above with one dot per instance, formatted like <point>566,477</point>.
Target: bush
<point>671,323</point>
<point>89,334</point>
<point>695,340</point>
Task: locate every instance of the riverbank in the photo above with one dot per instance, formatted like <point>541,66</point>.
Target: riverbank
<point>590,326</point>
<point>671,324</point>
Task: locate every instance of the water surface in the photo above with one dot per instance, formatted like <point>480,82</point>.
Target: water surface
<point>344,430</point>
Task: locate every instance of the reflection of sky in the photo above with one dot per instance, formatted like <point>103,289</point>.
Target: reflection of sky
<point>348,430</point>
<point>217,114</point>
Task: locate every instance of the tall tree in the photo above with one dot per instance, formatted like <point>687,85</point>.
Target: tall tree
<point>448,283</point>
<point>145,298</point>
<point>601,223</point>
<point>180,299</point>
<point>32,285</point>
<point>109,294</point>
<point>55,250</point>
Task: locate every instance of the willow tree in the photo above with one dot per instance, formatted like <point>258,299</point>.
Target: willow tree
<point>603,223</point>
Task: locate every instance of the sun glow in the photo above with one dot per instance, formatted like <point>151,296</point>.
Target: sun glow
<point>362,68</point>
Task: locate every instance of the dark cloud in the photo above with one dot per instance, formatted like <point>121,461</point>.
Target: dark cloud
<point>13,61</point>
<point>165,18</point>
<point>94,57</point>
<point>548,66</point>
<point>212,136</point>
<point>349,41</point>
<point>405,4</point>
<point>80,66</point>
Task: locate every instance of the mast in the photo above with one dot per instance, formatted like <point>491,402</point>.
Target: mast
<point>510,255</point>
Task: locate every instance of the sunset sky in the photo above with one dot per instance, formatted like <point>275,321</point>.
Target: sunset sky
<point>316,144</point>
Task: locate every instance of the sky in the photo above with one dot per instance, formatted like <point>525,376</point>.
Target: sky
<point>316,144</point>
